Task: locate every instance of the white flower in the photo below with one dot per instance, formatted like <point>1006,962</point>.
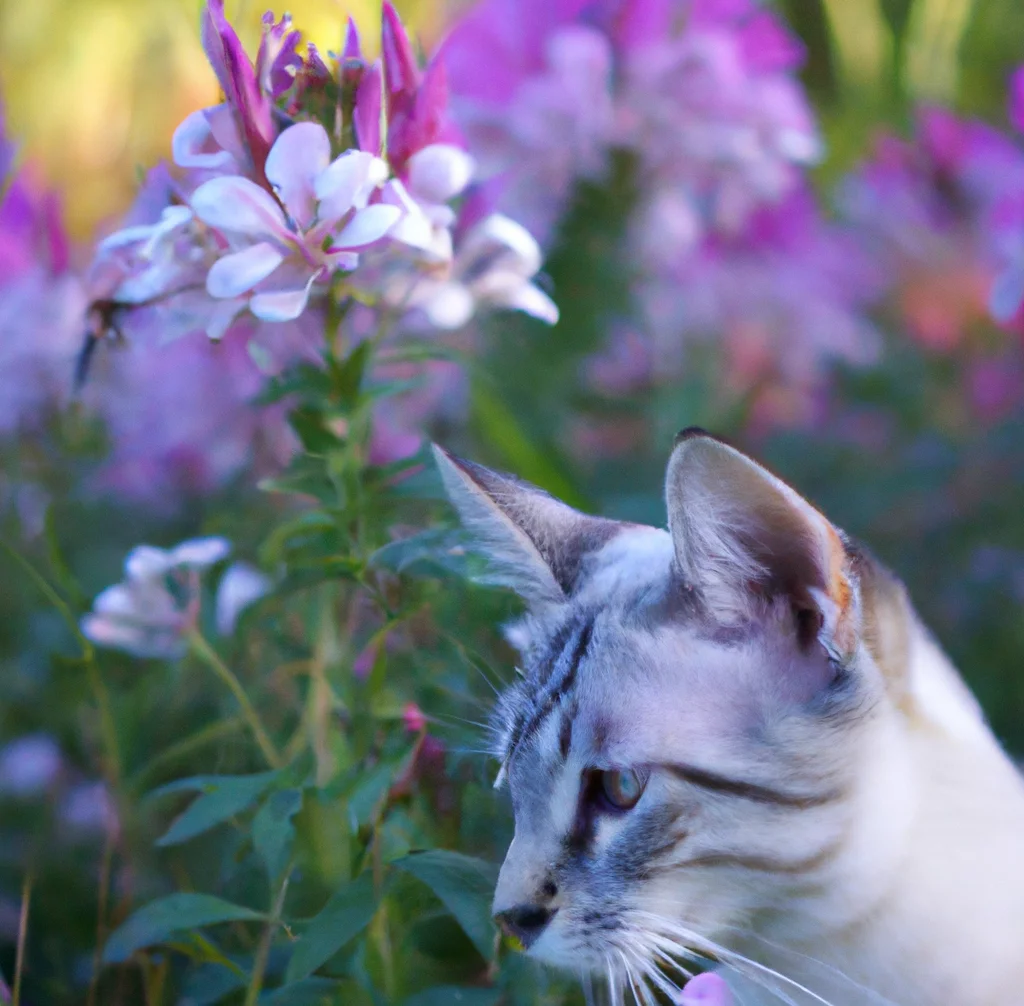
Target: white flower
<point>208,139</point>
<point>149,613</point>
<point>148,259</point>
<point>436,174</point>
<point>278,254</point>
<point>493,266</point>
<point>240,586</point>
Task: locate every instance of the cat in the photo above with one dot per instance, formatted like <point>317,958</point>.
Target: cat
<point>735,741</point>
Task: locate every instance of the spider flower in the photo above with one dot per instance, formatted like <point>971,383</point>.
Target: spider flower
<point>150,613</point>
<point>703,94</point>
<point>265,219</point>
<point>321,218</point>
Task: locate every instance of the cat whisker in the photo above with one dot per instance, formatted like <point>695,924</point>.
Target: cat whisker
<point>731,957</point>
<point>835,972</point>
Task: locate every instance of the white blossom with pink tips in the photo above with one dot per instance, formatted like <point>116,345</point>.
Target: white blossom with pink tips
<point>321,219</point>
<point>493,266</point>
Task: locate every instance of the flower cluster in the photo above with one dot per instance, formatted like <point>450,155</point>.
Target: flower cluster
<point>314,182</point>
<point>701,92</point>
<point>728,242</point>
<point>41,300</point>
<point>934,211</point>
<point>152,611</point>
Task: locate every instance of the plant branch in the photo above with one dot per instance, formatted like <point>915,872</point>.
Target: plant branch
<point>202,649</point>
<point>259,966</point>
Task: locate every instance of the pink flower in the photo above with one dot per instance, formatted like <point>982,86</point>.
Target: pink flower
<point>241,83</point>
<point>703,94</point>
<point>417,101</point>
<point>320,220</point>
<point>413,718</point>
<point>1016,99</point>
<point>42,305</point>
<point>707,989</point>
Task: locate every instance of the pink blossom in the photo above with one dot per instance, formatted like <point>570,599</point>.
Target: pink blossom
<point>42,306</point>
<point>708,989</point>
<point>240,83</point>
<point>413,718</point>
<point>941,213</point>
<point>321,218</point>
<point>704,94</point>
<point>1016,99</point>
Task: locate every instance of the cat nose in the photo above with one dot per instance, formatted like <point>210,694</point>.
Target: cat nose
<point>525,922</point>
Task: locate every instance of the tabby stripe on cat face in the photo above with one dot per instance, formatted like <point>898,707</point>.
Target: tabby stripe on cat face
<point>558,685</point>
<point>744,790</point>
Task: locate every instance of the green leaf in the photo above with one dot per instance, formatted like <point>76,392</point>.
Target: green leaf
<point>209,984</point>
<point>221,797</point>
<point>308,992</point>
<point>304,379</point>
<point>347,377</point>
<point>342,919</point>
<point>454,995</point>
<point>273,831</point>
<point>304,476</point>
<point>304,527</point>
<point>372,788</point>
<point>161,919</point>
<point>464,885</point>
<point>310,426</point>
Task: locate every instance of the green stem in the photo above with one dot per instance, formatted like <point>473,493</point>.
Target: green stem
<point>202,649</point>
<point>259,966</point>
<point>19,960</point>
<point>108,730</point>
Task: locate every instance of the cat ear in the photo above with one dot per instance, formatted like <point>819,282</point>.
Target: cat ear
<point>741,535</point>
<point>536,543</point>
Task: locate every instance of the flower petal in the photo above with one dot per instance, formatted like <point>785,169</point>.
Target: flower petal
<point>446,305</point>
<point>708,989</point>
<point>193,145</point>
<point>282,305</point>
<point>145,563</point>
<point>529,299</point>
<point>400,66</point>
<point>220,319</point>
<point>348,182</point>
<point>367,226</point>
<point>299,154</point>
<point>235,204</point>
<point>201,552</point>
<point>439,172</point>
<point>233,275</point>
<point>368,109</point>
<point>240,586</point>
<point>499,234</point>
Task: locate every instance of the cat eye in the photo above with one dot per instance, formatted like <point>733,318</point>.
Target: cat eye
<point>622,788</point>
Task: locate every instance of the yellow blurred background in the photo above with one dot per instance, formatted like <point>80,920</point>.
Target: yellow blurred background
<point>93,89</point>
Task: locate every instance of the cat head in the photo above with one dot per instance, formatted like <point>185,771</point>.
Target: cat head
<point>682,744</point>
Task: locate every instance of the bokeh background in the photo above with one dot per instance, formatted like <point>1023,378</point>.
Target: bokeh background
<point>850,315</point>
